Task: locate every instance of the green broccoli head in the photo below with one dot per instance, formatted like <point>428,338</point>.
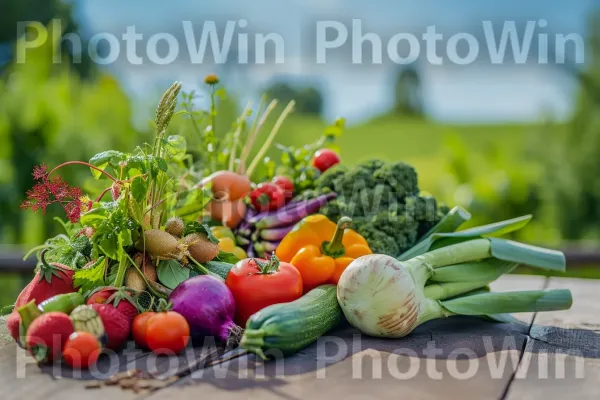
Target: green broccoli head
<point>403,230</point>
<point>332,178</point>
<point>379,241</point>
<point>401,177</point>
<point>383,201</point>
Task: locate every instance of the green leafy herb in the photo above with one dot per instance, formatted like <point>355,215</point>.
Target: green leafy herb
<point>226,257</point>
<point>91,277</point>
<point>171,273</point>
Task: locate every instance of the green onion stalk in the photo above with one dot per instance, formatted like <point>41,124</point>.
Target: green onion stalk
<point>382,296</point>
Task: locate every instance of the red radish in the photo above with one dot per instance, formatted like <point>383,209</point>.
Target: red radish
<point>12,323</point>
<point>122,299</point>
<point>208,306</point>
<point>285,184</point>
<point>116,325</point>
<point>267,197</point>
<point>325,159</point>
<point>47,335</point>
<point>51,279</point>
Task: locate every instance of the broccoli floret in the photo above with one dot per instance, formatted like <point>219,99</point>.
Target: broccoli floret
<point>332,178</point>
<point>383,201</point>
<point>399,176</point>
<point>403,230</point>
<point>379,241</point>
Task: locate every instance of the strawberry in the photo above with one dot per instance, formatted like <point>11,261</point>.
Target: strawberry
<point>47,335</point>
<point>122,299</point>
<point>51,279</point>
<point>12,323</point>
<point>116,325</point>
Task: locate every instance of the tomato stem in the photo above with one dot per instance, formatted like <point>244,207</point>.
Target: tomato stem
<point>268,267</point>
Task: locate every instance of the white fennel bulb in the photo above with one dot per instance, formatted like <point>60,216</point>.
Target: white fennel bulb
<point>382,296</point>
<point>379,296</point>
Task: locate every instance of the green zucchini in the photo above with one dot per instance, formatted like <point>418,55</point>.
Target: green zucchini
<point>289,327</point>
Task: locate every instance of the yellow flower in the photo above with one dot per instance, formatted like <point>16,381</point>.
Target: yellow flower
<point>211,79</point>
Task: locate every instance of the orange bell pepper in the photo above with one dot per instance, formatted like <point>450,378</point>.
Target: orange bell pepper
<point>321,249</point>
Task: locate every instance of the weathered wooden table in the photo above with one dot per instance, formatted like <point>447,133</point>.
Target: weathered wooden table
<point>551,356</point>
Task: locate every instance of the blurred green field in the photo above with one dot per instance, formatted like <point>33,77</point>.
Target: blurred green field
<point>422,143</point>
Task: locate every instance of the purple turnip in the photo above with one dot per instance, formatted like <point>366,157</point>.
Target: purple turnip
<point>208,306</point>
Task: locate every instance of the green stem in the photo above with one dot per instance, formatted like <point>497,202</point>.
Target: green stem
<point>472,250</point>
<point>431,309</point>
<point>335,248</point>
<point>121,270</point>
<point>253,341</point>
<point>441,291</point>
<point>202,269</point>
<point>510,302</point>
<point>109,176</point>
<point>262,151</point>
<point>269,267</point>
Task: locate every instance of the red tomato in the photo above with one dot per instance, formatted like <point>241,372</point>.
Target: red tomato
<point>167,331</point>
<point>325,159</point>
<point>267,197</point>
<point>256,284</point>
<point>139,327</point>
<point>285,184</point>
<point>81,350</point>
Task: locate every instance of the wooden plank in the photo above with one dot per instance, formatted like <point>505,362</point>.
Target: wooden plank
<point>4,335</point>
<point>21,379</point>
<point>465,352</point>
<point>563,354</point>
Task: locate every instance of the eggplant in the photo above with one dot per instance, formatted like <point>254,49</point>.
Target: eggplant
<point>275,234</point>
<point>291,215</point>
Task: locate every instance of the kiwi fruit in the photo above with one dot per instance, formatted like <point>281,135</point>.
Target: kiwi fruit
<point>175,227</point>
<point>160,244</point>
<point>200,248</point>
<point>133,280</point>
<point>145,265</point>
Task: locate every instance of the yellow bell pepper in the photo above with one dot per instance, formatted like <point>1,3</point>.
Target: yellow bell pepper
<point>321,249</point>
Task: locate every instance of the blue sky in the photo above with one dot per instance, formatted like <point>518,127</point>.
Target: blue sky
<point>475,93</point>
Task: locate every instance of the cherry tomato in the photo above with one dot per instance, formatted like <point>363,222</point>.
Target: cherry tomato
<point>167,331</point>
<point>267,197</point>
<point>139,327</point>
<point>286,185</point>
<point>325,159</point>
<point>81,350</point>
<point>257,283</point>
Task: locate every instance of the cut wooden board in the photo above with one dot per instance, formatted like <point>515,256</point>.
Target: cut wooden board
<point>563,354</point>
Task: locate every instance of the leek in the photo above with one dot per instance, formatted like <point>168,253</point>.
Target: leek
<point>382,296</point>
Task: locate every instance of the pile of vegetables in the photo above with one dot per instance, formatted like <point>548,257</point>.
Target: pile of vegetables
<point>178,245</point>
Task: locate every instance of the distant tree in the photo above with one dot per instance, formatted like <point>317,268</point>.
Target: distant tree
<point>408,94</point>
<point>43,11</point>
<point>309,100</point>
<point>573,163</point>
